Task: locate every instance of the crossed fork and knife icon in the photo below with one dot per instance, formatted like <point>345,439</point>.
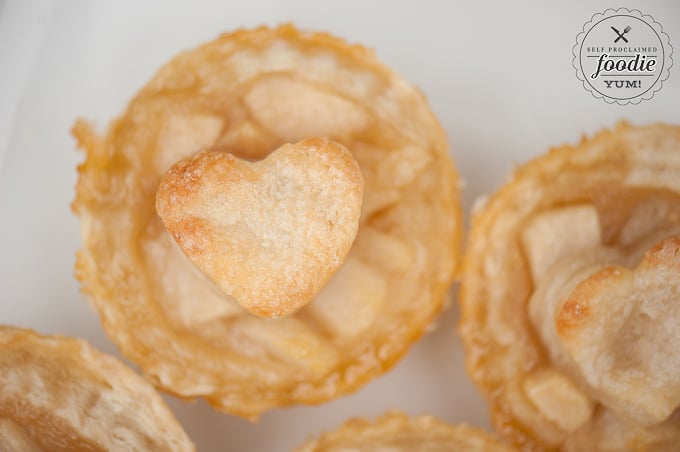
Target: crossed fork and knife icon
<point>621,35</point>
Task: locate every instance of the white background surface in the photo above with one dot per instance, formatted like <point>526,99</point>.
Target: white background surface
<point>498,76</point>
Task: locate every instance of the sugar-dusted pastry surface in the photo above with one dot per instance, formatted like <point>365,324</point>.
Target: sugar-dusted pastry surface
<point>397,432</point>
<point>570,292</point>
<point>60,394</point>
<point>248,93</point>
<point>269,233</point>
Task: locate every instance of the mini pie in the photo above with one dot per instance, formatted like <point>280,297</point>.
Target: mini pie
<point>396,432</point>
<point>247,94</point>
<point>60,394</point>
<point>570,295</point>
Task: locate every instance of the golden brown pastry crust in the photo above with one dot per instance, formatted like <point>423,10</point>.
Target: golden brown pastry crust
<point>60,394</point>
<point>248,93</point>
<point>629,178</point>
<point>396,432</point>
<point>269,233</point>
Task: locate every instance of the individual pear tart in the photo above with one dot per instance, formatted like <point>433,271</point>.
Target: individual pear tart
<point>273,220</point>
<point>570,295</point>
<point>397,432</point>
<point>60,394</point>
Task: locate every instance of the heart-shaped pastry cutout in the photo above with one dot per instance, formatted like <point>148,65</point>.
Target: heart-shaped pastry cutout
<point>269,233</point>
<point>620,327</point>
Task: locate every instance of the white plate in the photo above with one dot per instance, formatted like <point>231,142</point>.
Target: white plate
<point>498,76</point>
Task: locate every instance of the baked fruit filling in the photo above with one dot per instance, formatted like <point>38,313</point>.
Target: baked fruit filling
<point>607,313</point>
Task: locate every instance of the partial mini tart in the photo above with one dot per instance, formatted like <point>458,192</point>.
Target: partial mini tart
<point>570,294</point>
<point>245,95</point>
<point>60,394</point>
<point>397,432</point>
